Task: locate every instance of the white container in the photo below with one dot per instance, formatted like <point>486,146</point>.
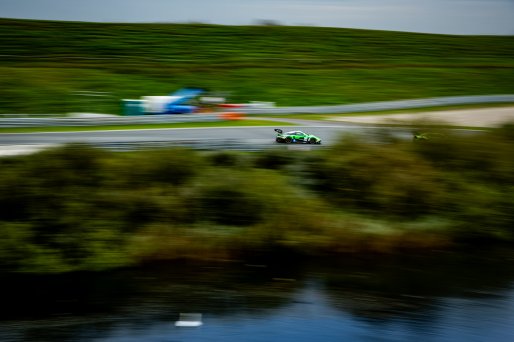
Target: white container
<point>157,104</point>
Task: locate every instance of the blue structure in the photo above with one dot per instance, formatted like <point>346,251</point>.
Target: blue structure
<point>178,105</point>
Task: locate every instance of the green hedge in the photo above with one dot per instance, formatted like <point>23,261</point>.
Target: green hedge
<point>81,208</point>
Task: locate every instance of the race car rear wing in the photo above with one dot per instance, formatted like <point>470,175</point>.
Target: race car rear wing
<point>279,131</point>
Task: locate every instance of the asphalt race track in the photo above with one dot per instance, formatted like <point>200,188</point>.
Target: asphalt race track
<point>239,138</point>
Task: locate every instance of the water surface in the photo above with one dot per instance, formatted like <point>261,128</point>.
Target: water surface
<point>441,296</point>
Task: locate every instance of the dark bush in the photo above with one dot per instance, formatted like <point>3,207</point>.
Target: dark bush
<point>69,165</point>
<point>225,158</point>
<point>274,159</point>
<point>174,166</point>
<point>231,206</point>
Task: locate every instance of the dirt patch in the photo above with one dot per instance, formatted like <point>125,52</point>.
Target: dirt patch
<point>483,117</point>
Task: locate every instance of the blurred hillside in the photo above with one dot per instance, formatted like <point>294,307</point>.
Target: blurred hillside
<point>46,66</point>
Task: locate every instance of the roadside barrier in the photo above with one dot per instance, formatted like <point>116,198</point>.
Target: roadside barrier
<point>239,113</point>
<point>384,105</point>
<point>231,116</point>
<point>111,120</point>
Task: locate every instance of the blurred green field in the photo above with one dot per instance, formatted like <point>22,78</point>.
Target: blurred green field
<point>44,65</point>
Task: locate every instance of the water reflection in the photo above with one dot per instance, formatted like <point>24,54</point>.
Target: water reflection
<point>402,285</point>
<point>437,297</point>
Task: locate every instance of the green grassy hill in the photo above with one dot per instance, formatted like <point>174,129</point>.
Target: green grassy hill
<point>44,63</point>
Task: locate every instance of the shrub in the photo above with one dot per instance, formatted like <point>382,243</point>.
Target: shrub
<point>274,159</point>
<point>175,166</point>
<point>378,177</point>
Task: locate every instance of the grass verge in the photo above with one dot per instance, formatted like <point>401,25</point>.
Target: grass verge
<point>238,123</point>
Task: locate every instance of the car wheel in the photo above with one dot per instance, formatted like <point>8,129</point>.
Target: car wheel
<point>312,141</point>
<point>289,140</point>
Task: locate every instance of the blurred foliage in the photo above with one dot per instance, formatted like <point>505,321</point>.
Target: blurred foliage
<point>77,207</point>
<point>49,67</point>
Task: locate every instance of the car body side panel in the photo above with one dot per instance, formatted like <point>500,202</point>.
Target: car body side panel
<point>295,137</point>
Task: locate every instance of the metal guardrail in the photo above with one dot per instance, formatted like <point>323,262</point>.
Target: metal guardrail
<point>106,120</point>
<point>210,117</point>
<point>385,105</point>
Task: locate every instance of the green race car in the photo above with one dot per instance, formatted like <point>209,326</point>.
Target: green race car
<point>296,137</point>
